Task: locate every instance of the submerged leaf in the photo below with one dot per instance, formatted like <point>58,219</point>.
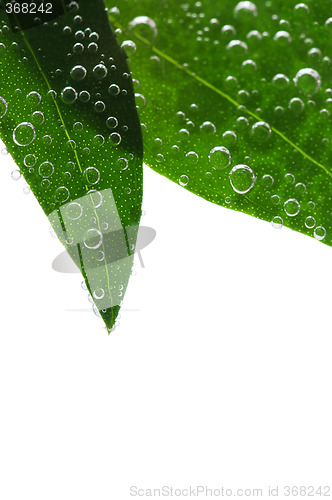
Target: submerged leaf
<point>68,119</point>
<point>236,102</point>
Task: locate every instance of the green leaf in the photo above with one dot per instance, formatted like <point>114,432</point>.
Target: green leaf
<point>69,120</point>
<point>237,102</point>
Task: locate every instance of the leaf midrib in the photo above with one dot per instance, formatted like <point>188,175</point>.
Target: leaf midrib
<point>220,92</point>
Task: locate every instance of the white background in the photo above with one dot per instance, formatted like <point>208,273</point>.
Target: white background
<point>219,374</point>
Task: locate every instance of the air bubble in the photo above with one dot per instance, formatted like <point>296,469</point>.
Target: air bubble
<point>100,71</point>
<point>292,207</point>
<point>46,169</point>
<point>93,239</point>
<point>310,222</point>
<point>183,180</point>
<point>277,222</point>
<point>320,233</point>
<point>92,175</point>
<point>69,95</point>
<point>144,26</point>
<point>220,157</point>
<point>24,134</point>
<point>74,210</point>
<point>242,178</point>
<point>3,107</point>
<point>78,72</point>
<point>261,131</point>
<point>307,80</point>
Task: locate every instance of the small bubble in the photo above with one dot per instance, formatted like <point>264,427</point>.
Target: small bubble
<point>277,222</point>
<point>30,160</point>
<point>24,134</point>
<point>307,80</point>
<point>220,157</point>
<point>261,131</point>
<point>69,95</point>
<point>78,72</point>
<point>129,46</point>
<point>99,71</point>
<point>3,107</point>
<point>320,233</point>
<point>208,128</point>
<point>46,169</point>
<point>183,180</point>
<point>114,89</point>
<point>310,222</point>
<point>242,178</point>
<point>93,239</point>
<point>16,175</point>
<point>84,96</point>
<point>292,207</point>
<point>92,175</point>
<point>34,98</point>
<point>115,138</point>
<point>62,194</point>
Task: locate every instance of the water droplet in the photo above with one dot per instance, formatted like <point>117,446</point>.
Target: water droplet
<point>78,72</point>
<point>99,293</point>
<point>115,139</point>
<point>34,98</point>
<point>78,126</point>
<point>261,131</point>
<point>229,138</point>
<point>208,128</point>
<point>30,160</point>
<point>24,134</point>
<point>245,11</point>
<point>310,222</point>
<point>220,157</point>
<point>69,95</point>
<point>92,175</point>
<point>307,80</point>
<point>129,46</point>
<point>144,26</point>
<point>46,169</point>
<point>96,198</point>
<point>84,96</point>
<point>296,105</point>
<point>320,233</point>
<point>277,222</point>
<point>93,239</point>
<point>242,178</point>
<point>62,194</point>
<point>99,106</point>
<point>192,158</point>
<point>16,175</point>
<point>183,180</point>
<point>280,81</point>
<point>292,207</point>
<point>100,71</point>
<point>37,118</point>
<point>74,210</point>
<point>114,89</point>
<point>236,48</point>
<point>283,38</point>
<point>3,107</point>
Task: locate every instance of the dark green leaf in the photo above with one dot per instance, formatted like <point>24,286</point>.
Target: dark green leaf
<point>68,119</point>
<point>237,102</point>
